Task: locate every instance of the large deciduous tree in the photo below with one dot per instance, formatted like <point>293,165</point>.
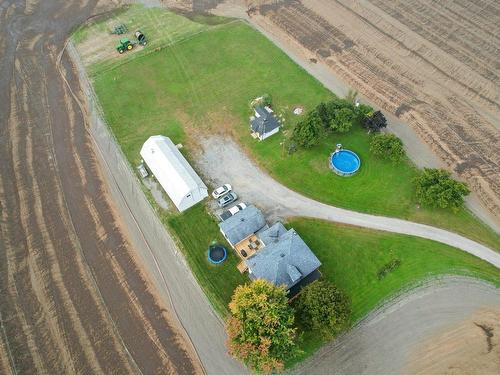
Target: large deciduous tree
<point>436,188</point>
<point>307,132</point>
<point>261,329</point>
<point>323,307</point>
<point>387,146</point>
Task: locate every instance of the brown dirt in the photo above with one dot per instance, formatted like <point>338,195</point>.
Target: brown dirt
<point>74,299</point>
<point>432,64</point>
<point>471,347</point>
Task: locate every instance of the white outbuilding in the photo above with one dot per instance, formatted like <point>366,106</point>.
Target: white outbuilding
<point>179,180</point>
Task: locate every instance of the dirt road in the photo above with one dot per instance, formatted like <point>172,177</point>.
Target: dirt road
<point>73,297</point>
<point>395,339</point>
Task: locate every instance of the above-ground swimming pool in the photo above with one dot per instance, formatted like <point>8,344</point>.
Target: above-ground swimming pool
<point>217,253</point>
<point>344,162</point>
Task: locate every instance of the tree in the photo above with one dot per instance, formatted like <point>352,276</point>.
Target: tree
<point>336,114</point>
<point>307,132</point>
<point>436,188</point>
<point>323,307</point>
<point>375,122</point>
<point>363,111</point>
<point>341,120</point>
<point>261,329</point>
<point>387,146</point>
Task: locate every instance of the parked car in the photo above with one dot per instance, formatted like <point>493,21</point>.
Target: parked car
<point>232,211</point>
<point>227,199</point>
<point>221,190</point>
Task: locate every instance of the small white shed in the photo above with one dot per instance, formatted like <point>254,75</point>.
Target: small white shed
<point>179,180</point>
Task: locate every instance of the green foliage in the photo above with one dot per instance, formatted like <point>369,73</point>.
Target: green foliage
<point>261,329</point>
<point>267,99</point>
<point>388,268</point>
<point>342,121</point>
<point>436,188</point>
<point>307,132</point>
<point>375,122</point>
<point>364,111</point>
<point>324,308</point>
<point>387,146</point>
<point>336,115</point>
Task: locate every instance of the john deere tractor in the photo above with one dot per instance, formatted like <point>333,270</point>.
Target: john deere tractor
<point>124,45</point>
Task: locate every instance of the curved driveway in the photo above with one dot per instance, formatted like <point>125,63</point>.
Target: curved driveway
<point>383,343</point>
<point>225,160</point>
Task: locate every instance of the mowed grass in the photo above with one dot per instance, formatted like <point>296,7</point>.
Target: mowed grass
<point>351,258</point>
<point>161,28</point>
<point>195,229</point>
<point>206,83</point>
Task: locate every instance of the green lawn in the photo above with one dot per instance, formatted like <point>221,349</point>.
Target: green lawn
<point>195,229</point>
<point>204,84</point>
<point>351,258</point>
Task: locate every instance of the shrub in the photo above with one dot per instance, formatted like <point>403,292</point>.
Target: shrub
<point>336,115</point>
<point>342,119</point>
<point>436,188</point>
<point>388,268</point>
<point>323,307</point>
<point>387,146</point>
<point>261,329</point>
<point>307,132</point>
<point>375,122</point>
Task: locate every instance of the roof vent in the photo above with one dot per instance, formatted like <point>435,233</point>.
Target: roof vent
<point>282,255</point>
<point>242,219</point>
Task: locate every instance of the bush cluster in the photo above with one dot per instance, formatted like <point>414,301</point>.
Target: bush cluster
<point>388,268</point>
<point>387,146</point>
<point>436,188</point>
<point>261,329</point>
<point>336,115</point>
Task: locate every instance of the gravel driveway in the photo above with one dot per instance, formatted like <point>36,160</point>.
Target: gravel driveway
<point>383,343</point>
<point>222,161</point>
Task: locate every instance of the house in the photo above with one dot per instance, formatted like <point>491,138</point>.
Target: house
<point>243,225</point>
<point>264,123</point>
<point>285,259</point>
<point>173,172</point>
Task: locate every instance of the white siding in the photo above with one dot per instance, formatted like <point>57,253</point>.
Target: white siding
<point>267,135</point>
<point>173,172</point>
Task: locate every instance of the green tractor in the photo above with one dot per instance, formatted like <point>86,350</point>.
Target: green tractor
<point>124,45</point>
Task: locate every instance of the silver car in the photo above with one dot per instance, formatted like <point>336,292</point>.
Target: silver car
<point>227,199</point>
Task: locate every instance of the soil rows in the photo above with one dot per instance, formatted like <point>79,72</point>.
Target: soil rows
<point>432,64</point>
<point>73,299</point>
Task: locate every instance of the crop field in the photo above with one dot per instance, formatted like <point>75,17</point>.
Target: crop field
<point>433,64</point>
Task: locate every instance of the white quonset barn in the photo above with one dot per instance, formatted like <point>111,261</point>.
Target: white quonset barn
<point>173,172</point>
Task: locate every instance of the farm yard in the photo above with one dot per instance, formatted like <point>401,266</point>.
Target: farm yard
<point>432,64</point>
<point>185,91</point>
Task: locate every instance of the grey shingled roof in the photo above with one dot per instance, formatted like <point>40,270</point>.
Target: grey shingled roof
<point>242,224</point>
<point>272,234</point>
<point>265,123</point>
<point>284,262</point>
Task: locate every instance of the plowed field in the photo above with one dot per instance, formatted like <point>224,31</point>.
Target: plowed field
<point>433,64</point>
<point>73,299</point>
